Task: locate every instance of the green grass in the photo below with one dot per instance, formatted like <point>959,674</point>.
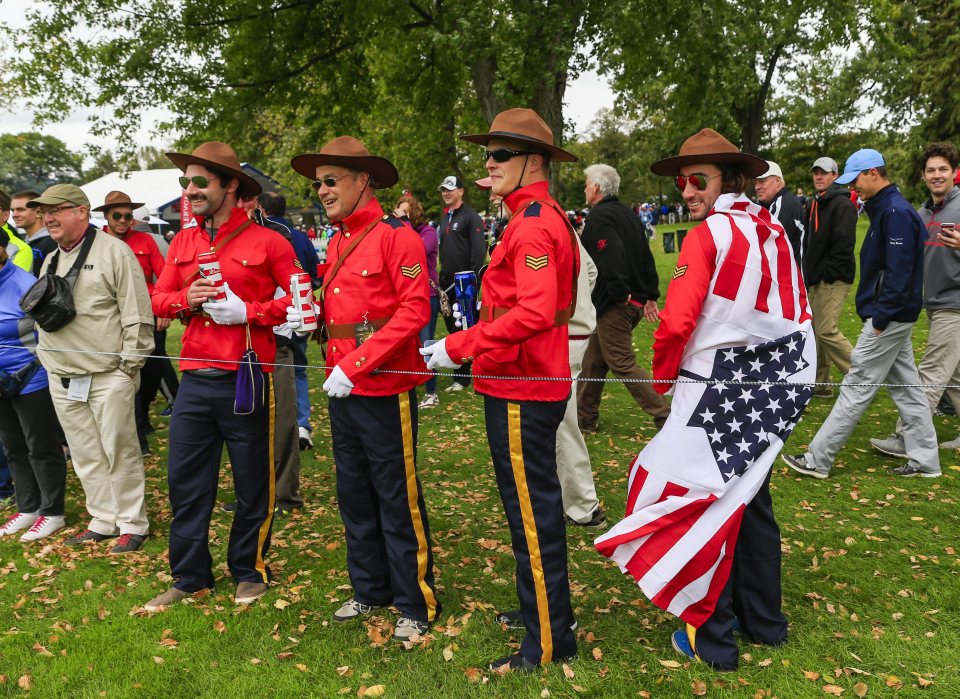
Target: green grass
<point>870,586</point>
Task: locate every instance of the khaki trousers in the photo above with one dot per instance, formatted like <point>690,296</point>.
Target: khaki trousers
<point>573,459</point>
<point>611,349</point>
<point>833,347</point>
<point>941,360</point>
<point>102,435</point>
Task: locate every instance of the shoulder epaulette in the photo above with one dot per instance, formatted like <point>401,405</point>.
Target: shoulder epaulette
<point>533,210</point>
<point>392,221</point>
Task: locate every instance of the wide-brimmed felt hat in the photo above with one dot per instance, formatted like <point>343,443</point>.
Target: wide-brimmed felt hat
<point>523,126</point>
<point>117,198</point>
<point>348,152</point>
<point>707,146</point>
<point>218,156</point>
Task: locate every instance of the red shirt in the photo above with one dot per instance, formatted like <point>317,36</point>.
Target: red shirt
<point>254,263</point>
<point>384,277</point>
<point>147,252</point>
<point>532,272</point>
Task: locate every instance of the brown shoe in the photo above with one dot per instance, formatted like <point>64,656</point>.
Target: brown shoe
<point>168,598</point>
<point>250,592</point>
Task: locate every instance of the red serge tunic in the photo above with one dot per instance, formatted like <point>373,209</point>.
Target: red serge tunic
<point>531,275</point>
<point>254,263</point>
<point>384,281</point>
<point>147,252</point>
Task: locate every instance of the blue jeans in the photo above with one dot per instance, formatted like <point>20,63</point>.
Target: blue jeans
<point>428,332</point>
<point>6,481</point>
<point>300,380</point>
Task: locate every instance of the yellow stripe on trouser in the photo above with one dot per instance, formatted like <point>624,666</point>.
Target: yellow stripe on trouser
<point>265,527</point>
<point>692,637</point>
<point>406,425</point>
<point>530,531</point>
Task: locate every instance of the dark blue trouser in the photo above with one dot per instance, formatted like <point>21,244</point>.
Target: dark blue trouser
<point>381,502</point>
<point>203,420</point>
<point>6,481</point>
<point>753,591</point>
<point>523,437</point>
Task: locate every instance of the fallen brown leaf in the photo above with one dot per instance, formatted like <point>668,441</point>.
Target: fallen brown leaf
<point>699,688</point>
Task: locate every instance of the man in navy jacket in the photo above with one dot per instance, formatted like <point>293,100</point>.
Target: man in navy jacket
<point>889,299</point>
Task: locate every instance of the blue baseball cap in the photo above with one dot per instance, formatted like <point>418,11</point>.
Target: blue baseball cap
<point>863,159</point>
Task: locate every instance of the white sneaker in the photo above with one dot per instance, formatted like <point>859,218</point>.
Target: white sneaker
<point>431,400</point>
<point>18,522</point>
<point>454,387</point>
<point>952,444</point>
<point>44,527</point>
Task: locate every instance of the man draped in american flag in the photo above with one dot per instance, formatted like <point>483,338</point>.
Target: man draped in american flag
<point>700,536</point>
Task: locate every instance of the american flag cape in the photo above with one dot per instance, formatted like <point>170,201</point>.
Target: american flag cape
<point>689,486</point>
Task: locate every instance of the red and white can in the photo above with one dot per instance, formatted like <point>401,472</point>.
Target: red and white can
<point>302,292</point>
<point>210,270</point>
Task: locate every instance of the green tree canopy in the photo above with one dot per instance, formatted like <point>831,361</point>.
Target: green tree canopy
<point>31,160</point>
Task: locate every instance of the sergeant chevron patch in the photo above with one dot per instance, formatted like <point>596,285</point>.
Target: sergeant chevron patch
<point>679,271</point>
<point>413,271</point>
<point>536,262</point>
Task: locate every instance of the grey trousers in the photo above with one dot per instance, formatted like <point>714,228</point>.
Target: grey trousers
<point>286,450</point>
<point>884,358</point>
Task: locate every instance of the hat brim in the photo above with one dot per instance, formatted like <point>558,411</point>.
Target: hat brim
<point>50,201</point>
<point>848,177</point>
<point>249,187</point>
<point>752,165</point>
<point>556,154</point>
<point>380,169</point>
<point>114,205</point>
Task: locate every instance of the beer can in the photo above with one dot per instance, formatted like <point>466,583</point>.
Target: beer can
<point>210,270</point>
<point>466,291</point>
<point>302,292</point>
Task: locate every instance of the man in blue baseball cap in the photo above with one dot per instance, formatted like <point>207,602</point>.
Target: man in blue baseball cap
<point>889,299</point>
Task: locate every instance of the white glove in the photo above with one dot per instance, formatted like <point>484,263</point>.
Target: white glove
<point>284,330</point>
<point>436,356</point>
<point>293,320</point>
<point>232,311</point>
<point>338,385</point>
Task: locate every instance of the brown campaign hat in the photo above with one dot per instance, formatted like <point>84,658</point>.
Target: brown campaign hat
<point>116,198</point>
<point>348,152</point>
<point>523,126</point>
<point>218,156</point>
<point>60,194</point>
<point>707,146</point>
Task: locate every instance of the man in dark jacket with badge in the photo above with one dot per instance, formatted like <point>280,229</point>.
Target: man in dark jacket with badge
<point>374,300</point>
<point>529,292</point>
<point>627,290</point>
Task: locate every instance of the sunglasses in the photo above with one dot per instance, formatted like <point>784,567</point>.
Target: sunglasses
<point>502,155</point>
<point>199,181</point>
<point>117,216</point>
<point>54,211</point>
<point>697,181</point>
<point>328,182</point>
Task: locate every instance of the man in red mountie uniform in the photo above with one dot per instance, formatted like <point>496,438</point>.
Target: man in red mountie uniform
<point>118,209</point>
<point>254,261</point>
<point>528,296</point>
<point>374,300</point>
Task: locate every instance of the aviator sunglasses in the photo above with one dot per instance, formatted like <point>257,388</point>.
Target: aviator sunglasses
<point>199,181</point>
<point>697,180</point>
<point>502,155</point>
<point>117,216</point>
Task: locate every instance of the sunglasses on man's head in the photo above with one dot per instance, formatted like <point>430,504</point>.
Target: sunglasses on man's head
<point>502,155</point>
<point>199,181</point>
<point>697,180</point>
<point>117,216</point>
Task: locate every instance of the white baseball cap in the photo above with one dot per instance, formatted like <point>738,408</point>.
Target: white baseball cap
<point>773,170</point>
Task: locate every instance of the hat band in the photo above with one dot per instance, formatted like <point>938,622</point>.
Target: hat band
<point>519,136</point>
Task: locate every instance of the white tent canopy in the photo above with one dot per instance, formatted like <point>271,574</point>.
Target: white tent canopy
<point>155,188</point>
